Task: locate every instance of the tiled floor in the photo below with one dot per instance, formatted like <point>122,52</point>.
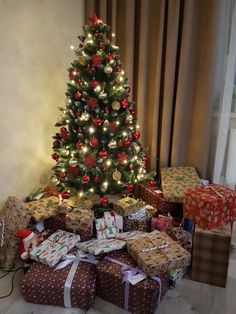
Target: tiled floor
<point>189,297</point>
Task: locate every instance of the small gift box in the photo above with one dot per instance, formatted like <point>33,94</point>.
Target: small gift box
<point>156,253</point>
<point>51,250</point>
<point>109,226</point>
<point>127,206</point>
<point>183,237</point>
<point>176,275</point>
<point>139,220</point>
<point>210,206</point>
<point>176,180</point>
<point>97,247</point>
<point>120,282</point>
<point>72,286</point>
<point>210,255</point>
<point>79,219</point>
<point>161,223</point>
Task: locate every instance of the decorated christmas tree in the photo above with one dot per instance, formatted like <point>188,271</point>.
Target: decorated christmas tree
<point>97,148</point>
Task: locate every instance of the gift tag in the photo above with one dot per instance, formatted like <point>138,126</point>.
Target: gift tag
<point>136,278</point>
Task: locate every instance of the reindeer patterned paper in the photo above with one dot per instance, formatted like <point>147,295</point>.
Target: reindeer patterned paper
<point>176,180</point>
<point>156,253</point>
<point>79,219</point>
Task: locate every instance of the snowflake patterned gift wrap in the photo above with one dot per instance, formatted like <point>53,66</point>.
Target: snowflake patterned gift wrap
<point>113,275</point>
<point>51,250</point>
<point>210,206</point>
<point>156,253</point>
<point>44,285</point>
<point>97,247</point>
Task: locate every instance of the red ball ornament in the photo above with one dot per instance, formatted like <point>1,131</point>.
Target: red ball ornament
<point>129,186</point>
<point>78,113</point>
<point>124,103</point>
<point>94,142</point>
<point>96,60</point>
<point>122,157</point>
<point>85,179</point>
<point>110,57</point>
<point>79,145</point>
<point>96,178</point>
<point>79,130</point>
<point>153,184</point>
<point>55,156</point>
<point>144,160</point>
<point>62,175</point>
<point>127,89</point>
<point>73,73</point>
<point>56,143</point>
<point>127,142</point>
<point>104,201</point>
<point>90,161</point>
<point>112,126</point>
<point>65,194</point>
<point>92,102</point>
<point>80,83</point>
<point>65,136</point>
<point>97,121</point>
<point>136,134</point>
<point>94,83</point>
<point>73,170</point>
<point>132,111</point>
<point>77,95</point>
<point>63,130</point>
<point>103,154</point>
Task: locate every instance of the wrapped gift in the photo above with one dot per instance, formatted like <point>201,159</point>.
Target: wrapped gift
<point>176,275</point>
<point>210,206</point>
<point>79,219</point>
<point>109,226</point>
<point>140,220</point>
<point>183,237</point>
<point>72,286</point>
<point>15,216</point>
<point>210,255</point>
<point>51,250</point>
<point>161,223</point>
<point>156,253</point>
<point>155,197</point>
<point>97,247</point>
<point>79,203</point>
<point>127,205</point>
<point>128,235</point>
<point>46,207</point>
<point>176,180</point>
<point>113,284</point>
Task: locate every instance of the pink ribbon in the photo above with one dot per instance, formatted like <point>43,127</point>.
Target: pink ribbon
<point>127,272</point>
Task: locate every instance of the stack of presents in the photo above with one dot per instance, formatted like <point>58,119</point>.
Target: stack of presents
<point>132,253</point>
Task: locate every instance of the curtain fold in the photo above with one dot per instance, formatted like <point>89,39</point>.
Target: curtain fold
<point>168,48</point>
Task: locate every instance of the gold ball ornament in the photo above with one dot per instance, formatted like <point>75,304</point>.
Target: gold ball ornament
<point>64,152</point>
<point>116,175</point>
<point>82,60</point>
<point>115,105</point>
<point>137,148</point>
<point>130,117</point>
<point>85,116</point>
<point>108,69</point>
<point>68,101</point>
<point>112,144</point>
<point>55,181</point>
<point>88,42</point>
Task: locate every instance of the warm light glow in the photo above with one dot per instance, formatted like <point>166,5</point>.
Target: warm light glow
<point>105,184</point>
<point>121,79</point>
<point>125,161</point>
<point>91,130</point>
<point>67,121</point>
<point>98,89</point>
<point>89,35</point>
<point>108,162</point>
<point>91,190</point>
<point>118,182</point>
<point>72,82</point>
<point>117,122</point>
<point>81,194</point>
<point>124,133</point>
<point>72,47</point>
<point>122,72</point>
<point>137,126</point>
<point>104,129</point>
<point>64,111</point>
<point>135,157</point>
<point>85,149</point>
<point>113,35</point>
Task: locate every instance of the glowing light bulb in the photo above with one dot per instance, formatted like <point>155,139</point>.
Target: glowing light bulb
<point>135,157</point>
<point>91,190</point>
<point>113,35</point>
<point>72,82</point>
<point>72,47</point>
<point>137,126</point>
<point>104,129</point>
<point>121,79</point>
<point>98,89</point>
<point>118,182</point>
<point>91,130</point>
<point>85,149</point>
<point>125,161</point>
<point>105,184</point>
<point>135,181</point>
<point>117,122</point>
<point>81,194</point>
<point>124,133</point>
<point>122,72</point>
<point>108,162</point>
<point>67,121</point>
<point>89,35</point>
<point>64,111</point>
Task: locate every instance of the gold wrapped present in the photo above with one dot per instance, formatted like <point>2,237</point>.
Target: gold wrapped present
<point>156,253</point>
<point>127,205</point>
<point>75,201</point>
<point>46,208</point>
<point>79,219</point>
<point>176,180</point>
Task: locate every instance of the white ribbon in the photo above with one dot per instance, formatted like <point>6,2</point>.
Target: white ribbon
<point>75,259</point>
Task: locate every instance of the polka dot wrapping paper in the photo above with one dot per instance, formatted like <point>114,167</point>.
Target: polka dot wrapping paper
<point>142,296</point>
<point>43,285</point>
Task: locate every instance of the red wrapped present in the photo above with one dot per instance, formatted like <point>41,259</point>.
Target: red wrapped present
<point>114,274</point>
<point>71,286</point>
<point>161,222</point>
<point>154,197</point>
<point>210,206</point>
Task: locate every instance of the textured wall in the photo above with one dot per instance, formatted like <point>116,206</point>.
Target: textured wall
<point>35,41</point>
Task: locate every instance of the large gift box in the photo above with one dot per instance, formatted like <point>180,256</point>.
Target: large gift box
<point>79,219</point>
<point>109,226</point>
<point>72,286</point>
<point>15,216</point>
<point>46,207</point>
<point>176,180</point>
<point>210,255</point>
<point>156,253</point>
<point>127,205</point>
<point>210,206</point>
<point>51,250</point>
<point>97,247</point>
<point>113,284</point>
<point>154,197</point>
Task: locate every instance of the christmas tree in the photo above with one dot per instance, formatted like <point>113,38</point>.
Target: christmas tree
<point>97,149</point>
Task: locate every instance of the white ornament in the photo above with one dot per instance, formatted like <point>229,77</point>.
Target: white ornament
<point>85,116</point>
<point>108,69</point>
<point>73,162</point>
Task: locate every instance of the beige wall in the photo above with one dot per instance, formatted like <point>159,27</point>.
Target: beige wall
<point>35,39</point>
